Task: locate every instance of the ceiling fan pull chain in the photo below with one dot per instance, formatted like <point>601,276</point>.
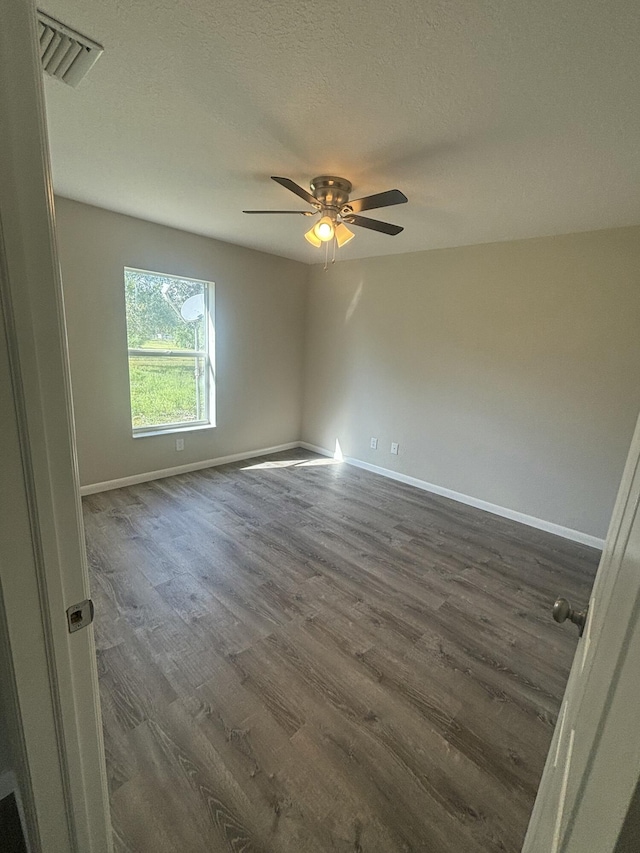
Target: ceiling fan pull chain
<point>326,257</point>
<point>334,241</point>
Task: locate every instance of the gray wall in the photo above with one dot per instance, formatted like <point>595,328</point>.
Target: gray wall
<point>507,372</point>
<point>259,340</point>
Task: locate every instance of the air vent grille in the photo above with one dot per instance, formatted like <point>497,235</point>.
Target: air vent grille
<point>65,54</point>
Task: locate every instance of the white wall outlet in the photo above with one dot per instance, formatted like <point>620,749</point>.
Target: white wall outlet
<point>179,443</point>
<point>374,443</point>
<point>394,448</point>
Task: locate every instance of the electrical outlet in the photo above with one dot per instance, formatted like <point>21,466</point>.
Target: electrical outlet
<point>374,443</point>
<point>179,443</point>
<point>394,448</point>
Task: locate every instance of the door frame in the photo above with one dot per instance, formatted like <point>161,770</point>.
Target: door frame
<point>52,695</point>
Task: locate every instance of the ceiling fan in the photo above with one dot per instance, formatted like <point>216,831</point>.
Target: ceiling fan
<point>329,198</point>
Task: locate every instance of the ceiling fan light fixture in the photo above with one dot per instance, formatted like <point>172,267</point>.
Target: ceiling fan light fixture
<point>329,197</point>
<point>343,235</point>
<point>324,229</point>
<point>311,237</point>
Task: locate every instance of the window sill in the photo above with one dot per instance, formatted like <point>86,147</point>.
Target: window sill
<point>172,430</point>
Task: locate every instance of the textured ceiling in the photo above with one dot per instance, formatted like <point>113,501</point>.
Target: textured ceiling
<point>499,119</point>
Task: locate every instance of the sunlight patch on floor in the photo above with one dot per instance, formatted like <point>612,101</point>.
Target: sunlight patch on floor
<point>314,462</point>
<point>290,463</point>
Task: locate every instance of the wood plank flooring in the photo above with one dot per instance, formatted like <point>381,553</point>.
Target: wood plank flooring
<point>297,656</point>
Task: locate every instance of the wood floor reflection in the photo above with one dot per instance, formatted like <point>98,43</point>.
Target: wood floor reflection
<point>298,656</point>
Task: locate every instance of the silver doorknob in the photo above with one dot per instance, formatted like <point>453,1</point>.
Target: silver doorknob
<point>562,611</point>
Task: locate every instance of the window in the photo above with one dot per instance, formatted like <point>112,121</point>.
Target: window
<point>170,337</point>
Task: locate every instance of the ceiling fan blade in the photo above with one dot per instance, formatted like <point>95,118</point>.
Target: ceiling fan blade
<point>370,202</point>
<point>299,212</point>
<point>373,224</point>
<point>288,184</point>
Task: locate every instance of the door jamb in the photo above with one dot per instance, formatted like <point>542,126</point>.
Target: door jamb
<point>55,691</point>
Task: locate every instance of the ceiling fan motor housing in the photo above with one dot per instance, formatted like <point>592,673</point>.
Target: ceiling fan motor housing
<point>331,192</point>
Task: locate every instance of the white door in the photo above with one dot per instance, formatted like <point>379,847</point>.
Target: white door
<point>594,761</point>
<point>50,694</point>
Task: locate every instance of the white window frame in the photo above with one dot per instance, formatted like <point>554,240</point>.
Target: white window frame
<point>207,354</point>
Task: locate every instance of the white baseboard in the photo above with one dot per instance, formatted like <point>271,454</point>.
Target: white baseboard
<point>93,488</point>
<point>529,520</point>
<point>322,451</point>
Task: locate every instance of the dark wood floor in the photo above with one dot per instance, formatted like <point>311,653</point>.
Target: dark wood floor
<point>297,656</point>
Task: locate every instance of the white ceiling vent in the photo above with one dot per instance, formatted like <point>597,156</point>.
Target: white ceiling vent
<point>65,54</point>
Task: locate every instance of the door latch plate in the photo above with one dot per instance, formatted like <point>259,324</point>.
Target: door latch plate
<point>80,615</point>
